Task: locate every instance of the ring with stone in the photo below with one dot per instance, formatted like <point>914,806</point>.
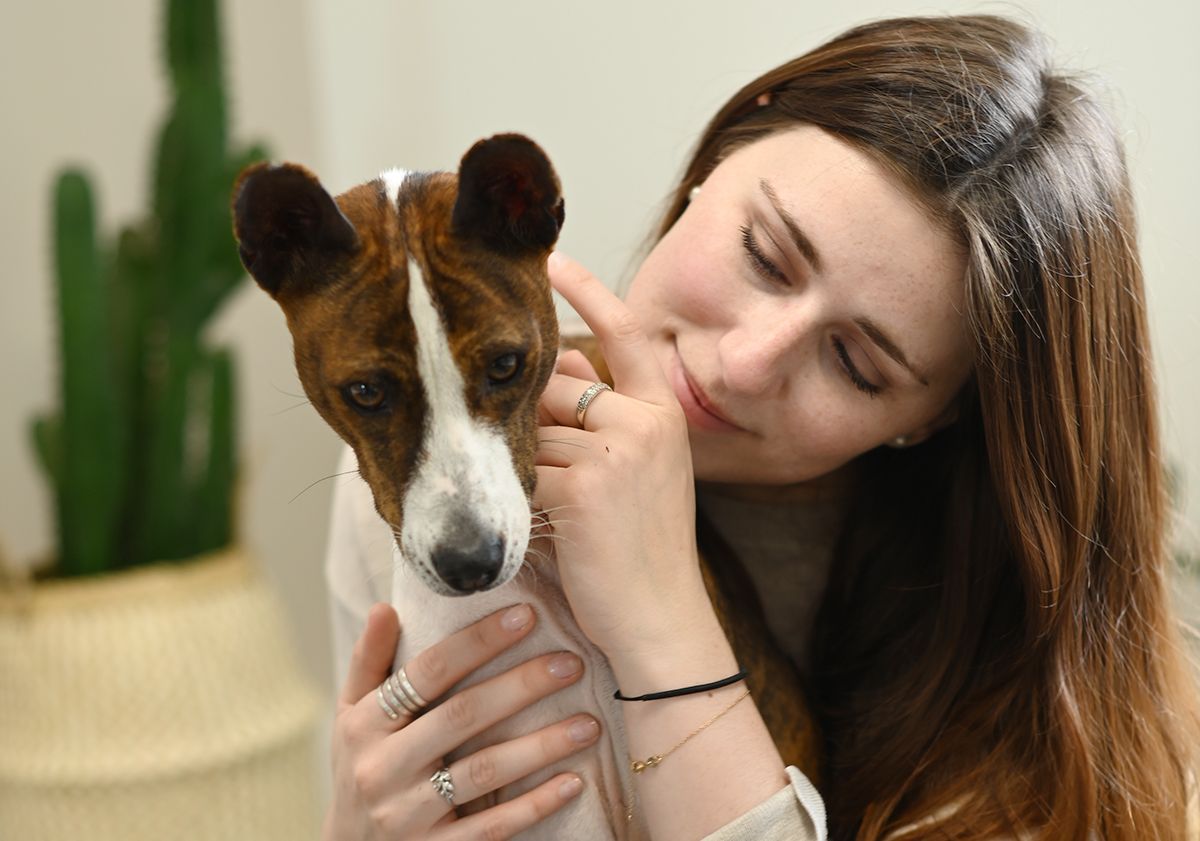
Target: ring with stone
<point>585,399</point>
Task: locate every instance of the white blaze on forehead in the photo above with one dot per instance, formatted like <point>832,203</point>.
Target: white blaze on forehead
<point>464,466</point>
<point>392,179</point>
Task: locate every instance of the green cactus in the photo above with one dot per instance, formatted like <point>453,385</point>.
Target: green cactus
<point>141,455</point>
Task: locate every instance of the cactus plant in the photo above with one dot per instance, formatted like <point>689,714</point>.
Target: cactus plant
<point>140,454</point>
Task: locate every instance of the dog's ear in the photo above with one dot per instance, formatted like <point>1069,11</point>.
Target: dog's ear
<point>508,196</point>
<point>288,227</point>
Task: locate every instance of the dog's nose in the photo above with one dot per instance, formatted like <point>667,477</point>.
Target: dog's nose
<point>469,566</point>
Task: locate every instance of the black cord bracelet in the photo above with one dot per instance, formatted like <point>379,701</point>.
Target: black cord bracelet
<point>687,690</point>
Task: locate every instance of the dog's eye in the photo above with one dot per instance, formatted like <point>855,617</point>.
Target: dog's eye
<point>505,368</point>
<point>365,397</point>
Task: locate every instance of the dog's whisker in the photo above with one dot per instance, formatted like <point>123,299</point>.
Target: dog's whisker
<point>291,408</point>
<point>286,393</point>
<point>544,515</point>
<point>319,481</point>
<point>565,442</point>
<point>538,555</point>
<point>548,536</point>
<point>558,522</point>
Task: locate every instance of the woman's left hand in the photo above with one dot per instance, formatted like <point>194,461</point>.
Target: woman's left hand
<point>619,490</point>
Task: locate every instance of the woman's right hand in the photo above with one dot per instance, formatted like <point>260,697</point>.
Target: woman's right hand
<point>382,768</point>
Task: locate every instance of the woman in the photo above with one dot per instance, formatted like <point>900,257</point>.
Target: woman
<point>894,323</point>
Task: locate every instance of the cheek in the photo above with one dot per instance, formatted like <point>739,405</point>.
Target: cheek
<point>685,278</point>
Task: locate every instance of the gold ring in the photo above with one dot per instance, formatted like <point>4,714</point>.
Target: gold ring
<point>587,397</point>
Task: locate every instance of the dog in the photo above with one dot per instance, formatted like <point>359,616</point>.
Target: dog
<point>424,332</point>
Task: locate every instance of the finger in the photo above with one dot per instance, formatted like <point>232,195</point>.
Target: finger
<point>499,765</point>
<point>574,364</point>
<point>561,446</point>
<point>468,713</point>
<point>517,815</point>
<point>439,667</point>
<point>624,344</point>
<point>371,661</point>
<point>560,404</point>
<point>571,363</point>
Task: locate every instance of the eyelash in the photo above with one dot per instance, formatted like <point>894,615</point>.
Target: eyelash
<point>759,261</point>
<point>868,388</point>
<point>769,271</point>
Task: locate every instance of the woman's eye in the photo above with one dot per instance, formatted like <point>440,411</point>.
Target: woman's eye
<point>505,368</point>
<point>758,260</point>
<point>859,381</point>
<point>364,396</point>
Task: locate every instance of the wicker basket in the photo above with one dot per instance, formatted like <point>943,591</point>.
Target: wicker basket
<point>158,703</point>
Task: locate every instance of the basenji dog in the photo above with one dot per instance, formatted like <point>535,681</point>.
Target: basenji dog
<point>424,333</point>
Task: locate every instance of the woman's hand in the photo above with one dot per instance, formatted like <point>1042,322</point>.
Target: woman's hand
<point>620,490</point>
<point>382,768</point>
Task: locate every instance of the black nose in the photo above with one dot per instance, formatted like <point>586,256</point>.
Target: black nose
<point>471,562</point>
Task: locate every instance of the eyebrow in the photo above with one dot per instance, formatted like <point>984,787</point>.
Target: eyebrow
<point>876,335</point>
<point>799,238</point>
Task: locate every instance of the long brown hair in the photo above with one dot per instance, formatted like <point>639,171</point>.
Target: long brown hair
<point>996,651</point>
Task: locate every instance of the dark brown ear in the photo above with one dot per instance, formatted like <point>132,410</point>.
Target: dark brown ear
<point>289,229</point>
<point>508,196</point>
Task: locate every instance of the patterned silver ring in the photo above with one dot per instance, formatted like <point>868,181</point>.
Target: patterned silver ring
<point>444,785</point>
<point>587,397</point>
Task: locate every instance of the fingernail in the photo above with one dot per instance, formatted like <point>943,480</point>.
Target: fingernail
<point>570,788</point>
<point>564,666</point>
<point>555,260</point>
<point>583,730</point>
<point>516,618</point>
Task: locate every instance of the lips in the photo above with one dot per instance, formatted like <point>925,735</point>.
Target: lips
<point>697,406</point>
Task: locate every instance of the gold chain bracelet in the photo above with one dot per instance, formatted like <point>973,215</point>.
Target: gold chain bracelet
<point>640,765</point>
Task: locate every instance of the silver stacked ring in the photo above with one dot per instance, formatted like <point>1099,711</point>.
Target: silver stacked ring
<point>396,695</point>
<point>587,397</point>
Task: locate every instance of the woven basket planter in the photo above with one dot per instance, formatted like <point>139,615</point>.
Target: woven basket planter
<point>158,703</point>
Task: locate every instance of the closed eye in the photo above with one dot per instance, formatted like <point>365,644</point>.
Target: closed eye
<point>758,260</point>
<point>851,370</point>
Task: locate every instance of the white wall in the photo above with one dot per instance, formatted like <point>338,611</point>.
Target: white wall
<point>614,91</point>
<point>617,91</point>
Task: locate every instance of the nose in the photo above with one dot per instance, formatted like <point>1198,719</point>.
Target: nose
<point>469,559</point>
<point>758,359</point>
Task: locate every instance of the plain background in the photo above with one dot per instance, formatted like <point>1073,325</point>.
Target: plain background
<point>616,92</point>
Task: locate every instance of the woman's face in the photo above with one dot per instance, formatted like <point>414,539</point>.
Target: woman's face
<point>806,309</point>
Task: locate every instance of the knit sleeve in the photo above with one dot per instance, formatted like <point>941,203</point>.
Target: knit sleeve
<point>795,813</point>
